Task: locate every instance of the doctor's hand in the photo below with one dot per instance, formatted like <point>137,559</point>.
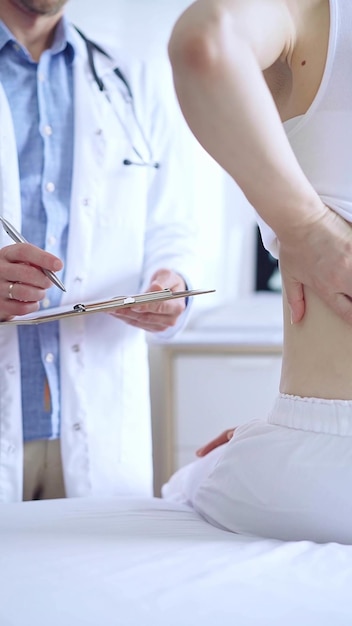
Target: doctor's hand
<point>158,316</point>
<point>319,255</point>
<point>22,282</point>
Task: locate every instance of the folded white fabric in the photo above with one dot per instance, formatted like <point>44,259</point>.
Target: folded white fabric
<point>288,477</point>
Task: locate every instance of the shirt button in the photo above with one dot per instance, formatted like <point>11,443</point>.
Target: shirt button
<point>77,426</point>
<point>49,358</point>
<point>46,303</point>
<point>16,47</point>
<point>41,77</point>
<point>10,368</point>
<point>11,448</point>
<point>48,130</point>
<point>85,202</point>
<point>76,348</point>
<point>50,187</point>
<point>51,240</point>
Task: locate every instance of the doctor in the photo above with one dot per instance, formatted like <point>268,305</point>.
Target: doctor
<point>89,174</point>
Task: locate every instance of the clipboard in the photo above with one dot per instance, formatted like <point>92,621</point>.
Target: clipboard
<point>101,306</point>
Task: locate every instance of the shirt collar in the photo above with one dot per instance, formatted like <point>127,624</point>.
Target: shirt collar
<point>63,40</point>
<point>5,35</point>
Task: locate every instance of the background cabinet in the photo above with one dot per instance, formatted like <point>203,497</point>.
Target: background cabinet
<point>214,392</point>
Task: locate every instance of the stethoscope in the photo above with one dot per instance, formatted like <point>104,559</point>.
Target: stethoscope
<point>92,47</point>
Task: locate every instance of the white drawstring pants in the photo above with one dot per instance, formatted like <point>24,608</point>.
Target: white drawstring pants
<point>288,477</point>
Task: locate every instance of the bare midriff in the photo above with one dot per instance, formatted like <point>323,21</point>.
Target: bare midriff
<point>317,355</point>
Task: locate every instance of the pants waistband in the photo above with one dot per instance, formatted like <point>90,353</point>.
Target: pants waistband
<point>333,417</point>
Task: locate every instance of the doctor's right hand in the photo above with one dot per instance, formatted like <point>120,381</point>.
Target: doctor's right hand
<point>22,282</point>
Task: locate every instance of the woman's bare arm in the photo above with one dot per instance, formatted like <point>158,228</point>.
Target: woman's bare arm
<point>218,51</point>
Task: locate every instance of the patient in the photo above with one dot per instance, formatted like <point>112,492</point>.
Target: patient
<point>289,476</point>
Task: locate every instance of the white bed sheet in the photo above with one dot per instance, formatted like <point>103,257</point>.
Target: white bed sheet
<point>144,562</point>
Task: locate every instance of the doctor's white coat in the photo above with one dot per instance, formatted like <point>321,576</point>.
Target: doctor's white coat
<point>125,222</point>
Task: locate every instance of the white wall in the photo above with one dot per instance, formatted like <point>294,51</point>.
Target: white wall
<point>225,224</point>
<point>142,25</point>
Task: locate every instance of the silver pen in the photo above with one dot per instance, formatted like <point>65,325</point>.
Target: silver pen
<point>18,238</point>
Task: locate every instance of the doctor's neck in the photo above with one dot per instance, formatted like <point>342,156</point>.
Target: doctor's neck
<point>32,22</point>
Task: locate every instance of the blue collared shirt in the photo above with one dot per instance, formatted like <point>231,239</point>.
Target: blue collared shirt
<point>41,101</point>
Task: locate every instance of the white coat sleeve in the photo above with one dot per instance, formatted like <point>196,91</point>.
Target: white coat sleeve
<point>171,223</point>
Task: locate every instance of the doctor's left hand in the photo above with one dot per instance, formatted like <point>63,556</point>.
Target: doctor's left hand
<point>158,316</point>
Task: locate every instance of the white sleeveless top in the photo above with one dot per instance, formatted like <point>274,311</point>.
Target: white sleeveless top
<point>322,138</point>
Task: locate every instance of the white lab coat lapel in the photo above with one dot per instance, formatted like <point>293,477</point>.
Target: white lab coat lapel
<point>88,164</point>
<point>10,198</point>
<point>11,450</point>
<point>95,121</point>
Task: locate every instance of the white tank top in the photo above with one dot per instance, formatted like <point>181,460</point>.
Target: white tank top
<point>322,138</point>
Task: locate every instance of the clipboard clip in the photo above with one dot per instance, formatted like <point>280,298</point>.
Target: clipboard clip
<point>122,301</point>
<point>82,308</point>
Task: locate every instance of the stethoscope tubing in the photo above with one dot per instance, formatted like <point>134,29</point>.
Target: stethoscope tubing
<point>93,47</point>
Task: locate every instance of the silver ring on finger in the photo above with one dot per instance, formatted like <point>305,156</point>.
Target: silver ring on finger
<point>11,286</point>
